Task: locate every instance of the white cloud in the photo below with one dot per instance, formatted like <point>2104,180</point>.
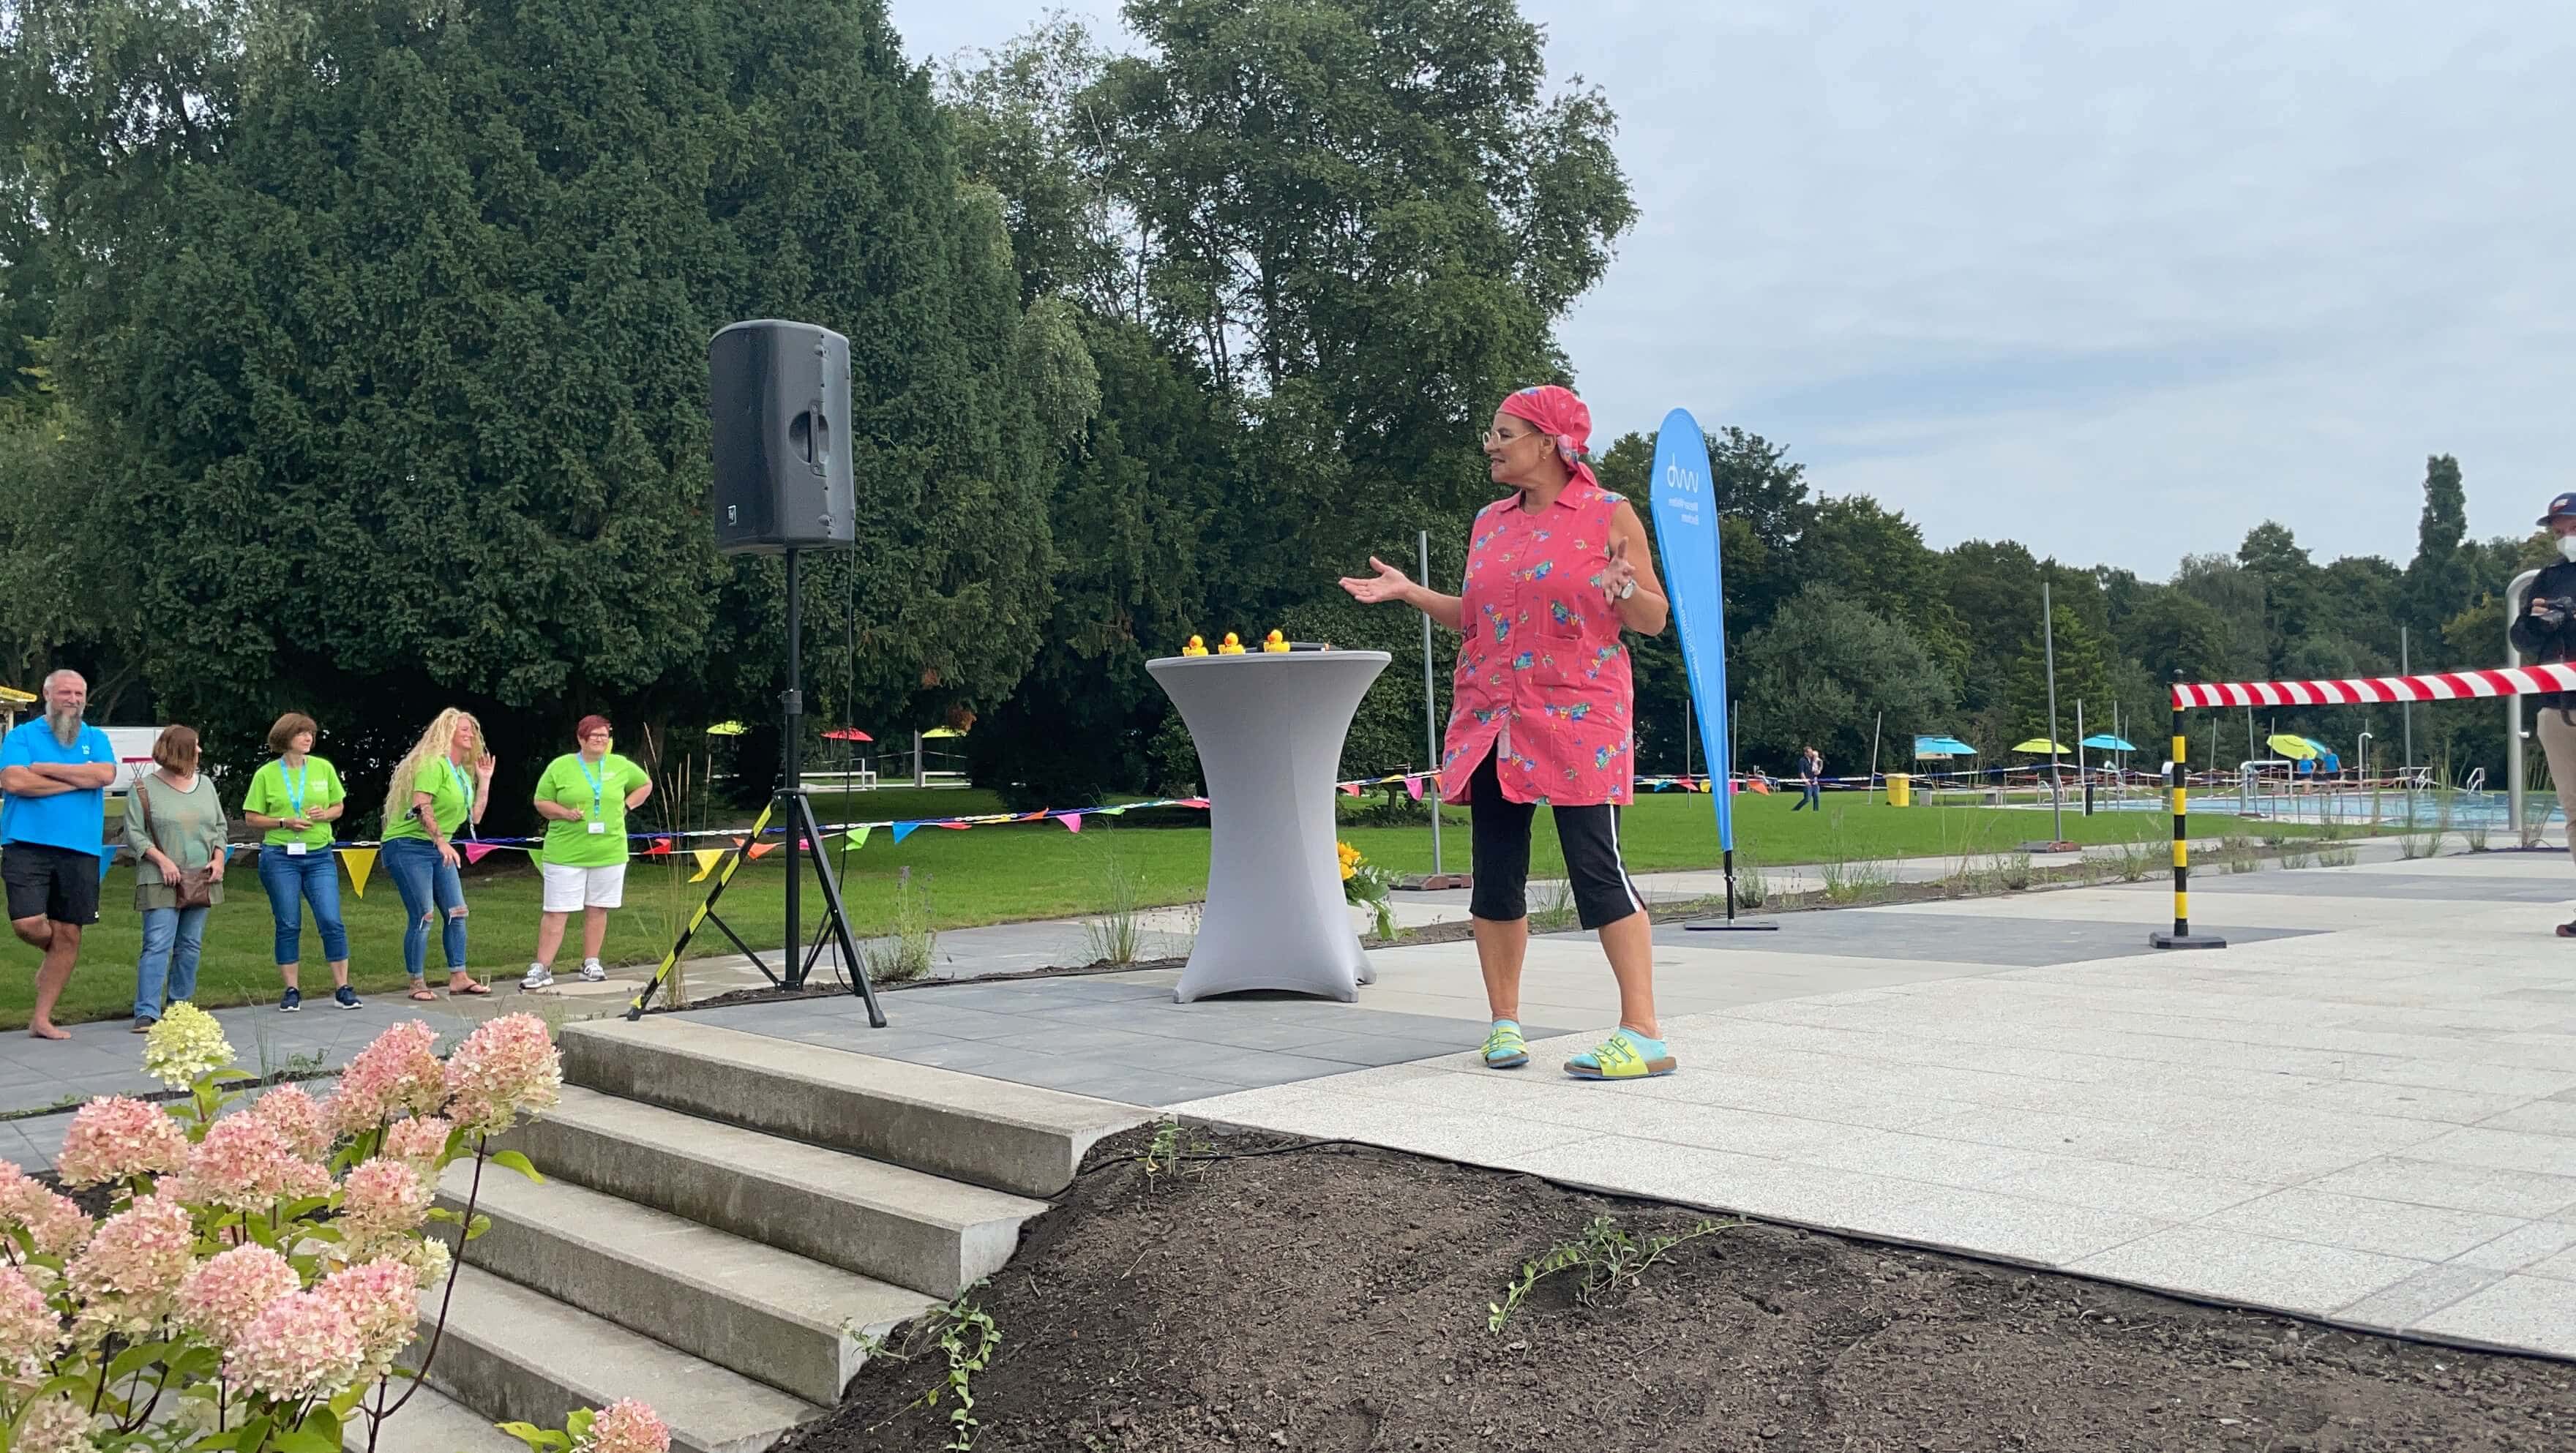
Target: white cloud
<point>2121,280</point>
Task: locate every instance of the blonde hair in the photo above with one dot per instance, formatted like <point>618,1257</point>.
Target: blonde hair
<point>432,745</point>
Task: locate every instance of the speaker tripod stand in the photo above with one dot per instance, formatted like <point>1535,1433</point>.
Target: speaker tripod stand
<point>803,833</point>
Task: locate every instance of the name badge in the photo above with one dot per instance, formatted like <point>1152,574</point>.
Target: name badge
<point>597,828</point>
<point>297,850</point>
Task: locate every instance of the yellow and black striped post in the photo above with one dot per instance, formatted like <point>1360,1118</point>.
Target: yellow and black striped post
<point>2180,787</point>
<point>739,854</point>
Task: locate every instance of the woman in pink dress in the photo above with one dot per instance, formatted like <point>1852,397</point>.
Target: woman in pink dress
<point>1545,711</point>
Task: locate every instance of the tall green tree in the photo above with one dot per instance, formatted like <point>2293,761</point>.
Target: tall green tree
<point>2439,582</point>
<point>1825,671</point>
<point>403,317</point>
<point>2083,674</point>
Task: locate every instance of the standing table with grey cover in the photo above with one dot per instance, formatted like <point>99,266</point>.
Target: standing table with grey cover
<point>1269,730</point>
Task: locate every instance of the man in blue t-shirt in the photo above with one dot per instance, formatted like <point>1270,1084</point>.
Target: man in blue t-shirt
<point>54,774</point>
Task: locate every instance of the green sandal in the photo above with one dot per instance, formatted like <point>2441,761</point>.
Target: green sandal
<point>1625,1055</point>
<point>1504,1047</point>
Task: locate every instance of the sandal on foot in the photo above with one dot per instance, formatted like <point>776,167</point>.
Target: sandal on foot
<point>1504,1047</point>
<point>469,989</point>
<point>421,993</point>
<point>2566,930</point>
<point>1625,1055</point>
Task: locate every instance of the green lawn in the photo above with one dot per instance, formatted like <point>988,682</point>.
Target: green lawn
<point>986,875</point>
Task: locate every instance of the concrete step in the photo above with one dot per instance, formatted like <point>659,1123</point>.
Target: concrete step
<point>783,1319</point>
<point>515,1355</point>
<point>1016,1138</point>
<point>430,1422</point>
<point>920,1231</point>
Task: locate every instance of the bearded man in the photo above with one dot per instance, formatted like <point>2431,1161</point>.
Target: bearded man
<point>54,774</point>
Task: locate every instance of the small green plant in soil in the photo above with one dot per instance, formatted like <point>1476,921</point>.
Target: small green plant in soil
<point>2012,870</point>
<point>1114,935</point>
<point>968,1337</point>
<point>2133,859</point>
<point>1610,1259</point>
<point>2297,857</point>
<point>1553,912</point>
<point>1168,1152</point>
<point>913,945</point>
<point>1752,885</point>
<point>2236,850</point>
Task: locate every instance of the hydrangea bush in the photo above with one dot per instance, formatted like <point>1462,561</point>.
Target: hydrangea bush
<point>257,1279</point>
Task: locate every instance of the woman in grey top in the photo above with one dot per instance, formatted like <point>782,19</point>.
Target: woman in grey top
<point>175,825</point>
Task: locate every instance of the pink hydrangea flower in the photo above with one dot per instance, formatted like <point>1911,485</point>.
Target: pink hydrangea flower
<point>378,1298</point>
<point>53,1224</point>
<point>505,1068</point>
<point>228,1291</point>
<point>244,1164</point>
<point>114,1137</point>
<point>418,1142</point>
<point>300,1346</point>
<point>626,1426</point>
<point>380,1200</point>
<point>129,1276</point>
<point>399,1072</point>
<point>30,1333</point>
<point>297,1118</point>
<point>56,1425</point>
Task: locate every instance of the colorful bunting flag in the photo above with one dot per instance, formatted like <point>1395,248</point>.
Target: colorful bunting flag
<point>660,848</point>
<point>858,836</point>
<point>706,862</point>
<point>477,852</point>
<point>1072,821</point>
<point>106,860</point>
<point>361,861</point>
<point>761,850</point>
<point>1414,786</point>
<point>904,830</point>
<point>1350,789</point>
<point>1194,802</point>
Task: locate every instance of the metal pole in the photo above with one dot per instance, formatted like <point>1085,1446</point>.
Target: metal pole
<point>2056,790</point>
<point>2514,596</point>
<point>1688,729</point>
<point>792,763</point>
<point>2182,936</point>
<point>2406,711</point>
<point>2083,778</point>
<point>1430,713</point>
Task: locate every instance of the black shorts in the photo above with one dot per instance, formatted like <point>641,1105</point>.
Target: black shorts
<point>1500,830</point>
<point>50,882</point>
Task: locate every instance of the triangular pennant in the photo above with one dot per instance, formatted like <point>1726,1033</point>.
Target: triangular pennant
<point>1111,811</point>
<point>858,836</point>
<point>1350,789</point>
<point>477,852</point>
<point>1194,802</point>
<point>660,848</point>
<point>106,861</point>
<point>706,861</point>
<point>759,851</point>
<point>904,830</point>
<point>361,861</point>
<point>1072,821</point>
<point>1414,786</point>
<point>953,826</point>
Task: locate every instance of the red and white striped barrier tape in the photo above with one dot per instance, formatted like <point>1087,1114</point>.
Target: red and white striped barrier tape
<point>2438,686</point>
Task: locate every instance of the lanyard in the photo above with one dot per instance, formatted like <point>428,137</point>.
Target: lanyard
<point>462,785</point>
<point>597,784</point>
<point>294,790</point>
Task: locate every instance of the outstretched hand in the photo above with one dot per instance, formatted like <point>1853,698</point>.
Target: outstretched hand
<point>1388,584</point>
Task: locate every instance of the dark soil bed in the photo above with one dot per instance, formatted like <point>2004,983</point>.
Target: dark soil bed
<point>1336,1299</point>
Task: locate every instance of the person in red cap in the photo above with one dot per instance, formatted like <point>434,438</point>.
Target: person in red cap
<point>1545,711</point>
<point>584,797</point>
<point>2546,631</point>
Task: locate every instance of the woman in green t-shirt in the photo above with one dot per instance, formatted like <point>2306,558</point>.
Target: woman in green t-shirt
<point>295,799</point>
<point>444,783</point>
<point>584,797</point>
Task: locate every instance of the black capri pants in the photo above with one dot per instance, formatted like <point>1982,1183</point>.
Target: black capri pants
<point>1500,831</point>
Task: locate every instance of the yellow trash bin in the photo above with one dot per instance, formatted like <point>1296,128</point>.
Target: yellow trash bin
<point>1900,789</point>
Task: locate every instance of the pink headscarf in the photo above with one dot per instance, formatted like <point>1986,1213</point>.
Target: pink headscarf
<point>1559,413</point>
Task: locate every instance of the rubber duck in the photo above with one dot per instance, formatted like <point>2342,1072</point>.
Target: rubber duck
<point>1231,646</point>
<point>1196,647</point>
<point>1274,643</point>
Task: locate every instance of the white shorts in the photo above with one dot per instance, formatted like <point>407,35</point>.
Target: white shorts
<point>570,889</point>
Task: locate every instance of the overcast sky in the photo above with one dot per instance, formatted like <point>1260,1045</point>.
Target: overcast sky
<point>2117,279</point>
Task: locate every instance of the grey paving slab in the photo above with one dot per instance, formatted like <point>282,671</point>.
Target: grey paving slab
<point>2460,1187</point>
<point>2409,1302</point>
<point>2239,1266</point>
<point>1951,937</point>
<point>2532,1246</point>
<point>2424,887</point>
<point>2535,1312</point>
<point>2392,1228</point>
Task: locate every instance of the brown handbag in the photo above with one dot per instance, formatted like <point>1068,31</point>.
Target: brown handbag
<point>196,886</point>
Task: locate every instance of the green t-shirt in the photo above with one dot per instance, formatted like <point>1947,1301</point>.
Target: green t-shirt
<point>451,793</point>
<point>276,793</point>
<point>599,791</point>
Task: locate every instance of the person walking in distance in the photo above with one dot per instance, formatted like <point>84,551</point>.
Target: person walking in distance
<point>2544,632</point>
<point>584,797</point>
<point>1811,776</point>
<point>54,775</point>
<point>1545,712</point>
<point>294,798</point>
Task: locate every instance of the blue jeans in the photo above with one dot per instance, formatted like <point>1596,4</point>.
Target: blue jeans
<point>1808,796</point>
<point>430,889</point>
<point>291,883</point>
<point>167,971</point>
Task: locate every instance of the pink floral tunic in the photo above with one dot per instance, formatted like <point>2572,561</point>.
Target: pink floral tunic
<point>1542,676</point>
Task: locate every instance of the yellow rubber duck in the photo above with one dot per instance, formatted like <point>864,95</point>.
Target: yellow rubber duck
<point>1230,646</point>
<point>1275,643</point>
<point>1196,647</point>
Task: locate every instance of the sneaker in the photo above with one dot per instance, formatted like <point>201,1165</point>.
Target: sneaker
<point>345,997</point>
<point>143,1023</point>
<point>538,977</point>
<point>1625,1055</point>
<point>592,971</point>
<point>290,1001</point>
<point>1504,1047</point>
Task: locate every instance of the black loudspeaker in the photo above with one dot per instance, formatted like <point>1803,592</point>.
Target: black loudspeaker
<point>778,394</point>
